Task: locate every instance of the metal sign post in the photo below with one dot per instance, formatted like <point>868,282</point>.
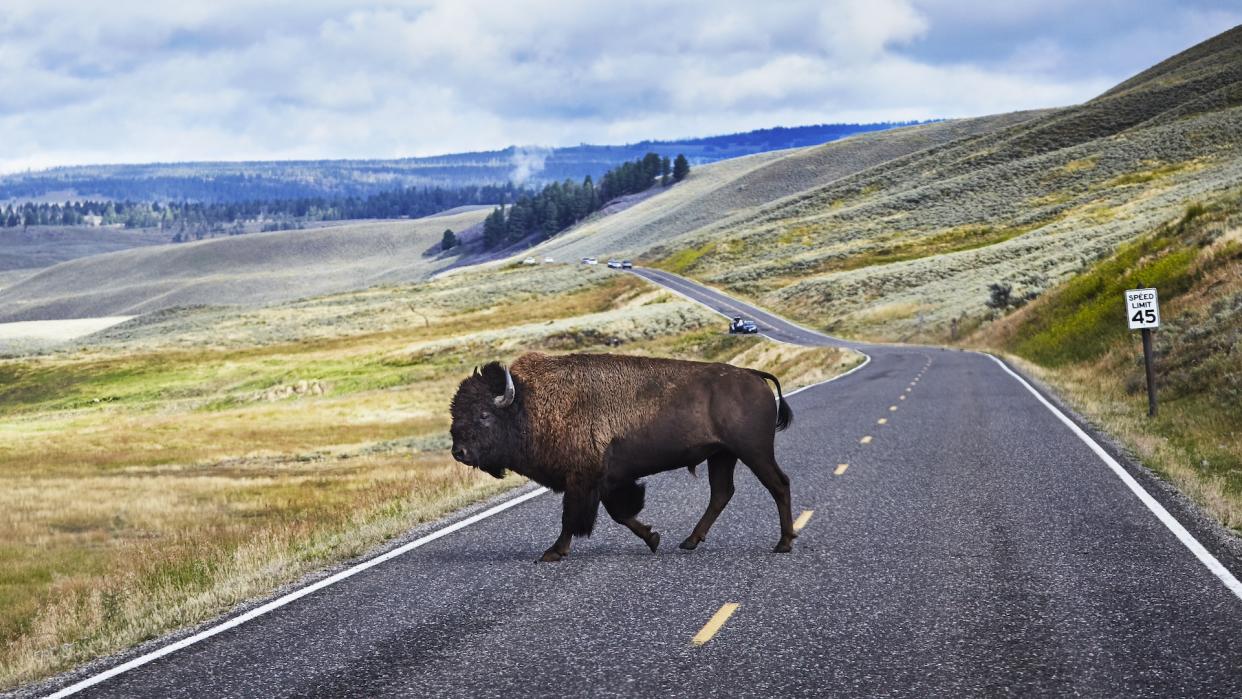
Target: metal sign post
<point>1143,313</point>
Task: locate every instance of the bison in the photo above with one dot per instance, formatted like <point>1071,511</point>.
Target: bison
<point>591,425</point>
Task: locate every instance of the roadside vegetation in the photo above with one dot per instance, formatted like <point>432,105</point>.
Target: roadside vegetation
<point>903,248</point>
<point>1075,338</point>
<point>173,466</point>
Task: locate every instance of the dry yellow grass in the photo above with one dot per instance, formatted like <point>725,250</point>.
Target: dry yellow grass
<point>151,481</point>
<point>1075,340</point>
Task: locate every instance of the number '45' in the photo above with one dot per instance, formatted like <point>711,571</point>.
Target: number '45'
<point>1144,316</point>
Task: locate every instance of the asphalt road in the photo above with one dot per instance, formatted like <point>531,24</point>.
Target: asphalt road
<point>962,540</point>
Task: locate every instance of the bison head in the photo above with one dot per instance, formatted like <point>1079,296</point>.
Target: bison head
<point>485,420</point>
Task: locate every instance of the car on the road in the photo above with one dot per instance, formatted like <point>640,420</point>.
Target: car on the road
<point>614,264</point>
<point>589,261</point>
<point>529,261</point>
<point>742,326</point>
<point>626,264</point>
<point>547,260</point>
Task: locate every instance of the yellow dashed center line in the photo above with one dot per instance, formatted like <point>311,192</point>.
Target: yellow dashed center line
<point>882,421</point>
<point>865,440</point>
<point>713,625</point>
<point>840,469</point>
<point>901,397</point>
<point>892,408</point>
<point>802,519</point>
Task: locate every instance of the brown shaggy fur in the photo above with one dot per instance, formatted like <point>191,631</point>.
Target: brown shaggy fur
<point>592,425</point>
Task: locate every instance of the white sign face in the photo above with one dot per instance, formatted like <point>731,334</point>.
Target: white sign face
<point>1142,308</point>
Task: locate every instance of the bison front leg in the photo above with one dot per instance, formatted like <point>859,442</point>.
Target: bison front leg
<point>579,508</point>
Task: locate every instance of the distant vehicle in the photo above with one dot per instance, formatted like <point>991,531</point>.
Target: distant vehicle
<point>529,261</point>
<point>626,264</point>
<point>547,260</point>
<point>614,264</point>
<point>589,261</point>
<point>742,326</point>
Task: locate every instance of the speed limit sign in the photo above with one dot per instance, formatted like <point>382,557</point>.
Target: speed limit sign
<point>1143,313</point>
<point>1143,309</point>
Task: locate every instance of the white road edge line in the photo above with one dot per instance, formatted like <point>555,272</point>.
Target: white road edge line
<point>295,595</point>
<point>1188,540</point>
<point>722,314</point>
<point>298,594</point>
<point>726,316</point>
<point>865,362</point>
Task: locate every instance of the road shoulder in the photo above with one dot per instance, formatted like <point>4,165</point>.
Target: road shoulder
<point>1215,537</point>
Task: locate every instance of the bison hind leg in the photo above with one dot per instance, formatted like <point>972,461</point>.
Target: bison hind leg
<point>623,503</point>
<point>720,475</point>
<point>626,500</point>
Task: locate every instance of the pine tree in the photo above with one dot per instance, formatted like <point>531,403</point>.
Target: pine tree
<point>494,228</point>
<point>681,168</point>
<point>449,240</point>
<point>650,170</point>
<point>666,172</point>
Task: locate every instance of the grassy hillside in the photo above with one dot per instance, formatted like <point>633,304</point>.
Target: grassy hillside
<point>189,459</point>
<point>1075,338</point>
<point>900,247</point>
<point>724,192</point>
<point>43,246</point>
<point>244,270</point>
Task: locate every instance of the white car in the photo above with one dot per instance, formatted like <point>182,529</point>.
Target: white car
<point>614,264</point>
<point>589,261</point>
<point>546,260</point>
<point>529,261</point>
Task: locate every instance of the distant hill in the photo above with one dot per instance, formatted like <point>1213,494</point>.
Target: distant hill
<point>265,180</point>
<point>890,234</point>
<point>863,237</point>
<point>243,270</point>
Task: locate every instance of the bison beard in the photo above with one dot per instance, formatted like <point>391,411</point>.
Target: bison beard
<point>591,425</point>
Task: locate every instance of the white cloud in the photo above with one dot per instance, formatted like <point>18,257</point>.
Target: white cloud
<point>91,82</point>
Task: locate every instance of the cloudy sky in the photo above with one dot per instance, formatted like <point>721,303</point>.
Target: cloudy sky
<point>95,82</point>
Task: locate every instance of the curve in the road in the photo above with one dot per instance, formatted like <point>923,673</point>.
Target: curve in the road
<point>797,334</point>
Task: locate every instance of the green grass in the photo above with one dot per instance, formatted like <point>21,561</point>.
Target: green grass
<point>1087,314</point>
<point>145,486</point>
<point>1156,172</point>
<point>1076,338</point>
<point>954,240</point>
<point>684,259</point>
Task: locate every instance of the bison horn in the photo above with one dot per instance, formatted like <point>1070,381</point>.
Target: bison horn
<point>507,399</point>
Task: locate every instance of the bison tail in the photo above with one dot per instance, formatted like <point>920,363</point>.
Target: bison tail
<point>784,414</point>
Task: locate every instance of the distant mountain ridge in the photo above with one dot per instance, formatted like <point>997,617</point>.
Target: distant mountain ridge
<point>264,180</point>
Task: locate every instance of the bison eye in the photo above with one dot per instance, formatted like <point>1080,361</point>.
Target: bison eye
<point>485,417</point>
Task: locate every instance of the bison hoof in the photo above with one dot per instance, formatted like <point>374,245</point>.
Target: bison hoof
<point>653,541</point>
<point>550,556</point>
<point>690,544</point>
<point>783,547</point>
